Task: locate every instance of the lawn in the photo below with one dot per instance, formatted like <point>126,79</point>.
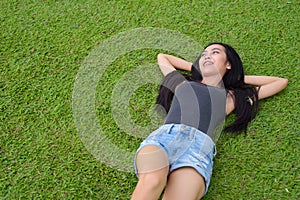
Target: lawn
<point>78,81</point>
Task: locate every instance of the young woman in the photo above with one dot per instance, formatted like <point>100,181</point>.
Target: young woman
<point>178,157</point>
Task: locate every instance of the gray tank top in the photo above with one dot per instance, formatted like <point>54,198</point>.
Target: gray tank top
<point>195,104</point>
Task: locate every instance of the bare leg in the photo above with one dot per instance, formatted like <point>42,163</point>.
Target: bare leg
<point>153,169</point>
<point>184,184</point>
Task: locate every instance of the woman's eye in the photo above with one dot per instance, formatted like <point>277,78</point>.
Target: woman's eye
<point>216,52</point>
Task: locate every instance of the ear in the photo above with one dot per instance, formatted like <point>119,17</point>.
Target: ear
<point>228,65</point>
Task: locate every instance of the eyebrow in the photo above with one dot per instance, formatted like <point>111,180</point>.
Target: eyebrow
<point>212,49</point>
<point>217,49</point>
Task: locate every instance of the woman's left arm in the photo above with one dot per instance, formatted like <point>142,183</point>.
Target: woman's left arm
<point>268,85</point>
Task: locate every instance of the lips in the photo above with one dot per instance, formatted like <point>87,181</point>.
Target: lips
<point>207,63</point>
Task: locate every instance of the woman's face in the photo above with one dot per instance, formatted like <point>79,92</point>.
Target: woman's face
<point>213,61</point>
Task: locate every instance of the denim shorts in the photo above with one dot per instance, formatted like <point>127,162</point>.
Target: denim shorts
<point>184,146</point>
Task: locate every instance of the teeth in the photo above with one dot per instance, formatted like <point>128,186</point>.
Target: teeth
<point>208,63</point>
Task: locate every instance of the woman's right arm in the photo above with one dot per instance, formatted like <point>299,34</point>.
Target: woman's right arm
<point>168,63</point>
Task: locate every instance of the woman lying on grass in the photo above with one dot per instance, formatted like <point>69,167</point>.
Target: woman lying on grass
<point>178,157</point>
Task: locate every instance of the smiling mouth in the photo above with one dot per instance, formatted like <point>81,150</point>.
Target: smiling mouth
<point>207,63</point>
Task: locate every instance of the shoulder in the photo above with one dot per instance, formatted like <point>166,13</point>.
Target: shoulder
<point>173,76</point>
<point>172,80</point>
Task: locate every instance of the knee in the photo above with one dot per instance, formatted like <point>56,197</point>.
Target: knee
<point>150,185</point>
<point>152,181</point>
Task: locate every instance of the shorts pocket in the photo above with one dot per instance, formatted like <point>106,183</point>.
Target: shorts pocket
<point>205,144</point>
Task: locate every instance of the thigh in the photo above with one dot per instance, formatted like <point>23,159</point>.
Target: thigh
<point>151,158</point>
<point>184,184</point>
<point>152,168</point>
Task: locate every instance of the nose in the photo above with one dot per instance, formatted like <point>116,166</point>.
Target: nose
<point>206,56</point>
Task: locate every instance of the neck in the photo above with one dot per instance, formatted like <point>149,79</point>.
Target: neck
<point>215,81</point>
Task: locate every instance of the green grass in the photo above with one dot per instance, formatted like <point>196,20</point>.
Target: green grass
<point>42,47</point>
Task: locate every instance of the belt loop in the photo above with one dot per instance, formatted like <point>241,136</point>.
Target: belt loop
<point>170,127</point>
<point>192,134</point>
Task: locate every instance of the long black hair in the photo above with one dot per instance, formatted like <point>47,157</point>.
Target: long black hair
<point>245,96</point>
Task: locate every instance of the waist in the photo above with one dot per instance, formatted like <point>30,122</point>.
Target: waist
<point>184,129</point>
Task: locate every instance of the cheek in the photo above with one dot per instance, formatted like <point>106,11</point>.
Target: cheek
<point>221,58</point>
<point>201,60</point>
<point>223,70</point>
<point>200,63</point>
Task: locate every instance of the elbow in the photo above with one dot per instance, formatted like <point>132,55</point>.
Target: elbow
<point>160,57</point>
<point>284,82</point>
